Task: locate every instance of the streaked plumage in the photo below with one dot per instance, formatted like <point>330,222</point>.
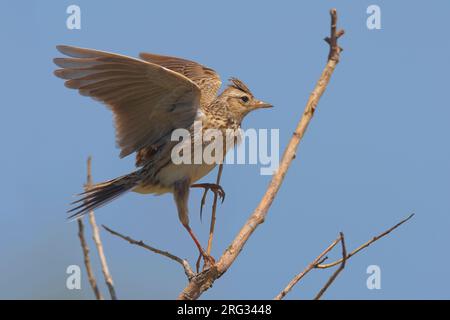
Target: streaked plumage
<point>150,97</point>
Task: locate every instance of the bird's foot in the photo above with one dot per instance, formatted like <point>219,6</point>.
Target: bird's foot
<point>215,188</point>
<point>208,259</point>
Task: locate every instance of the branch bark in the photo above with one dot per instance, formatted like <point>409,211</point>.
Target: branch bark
<point>204,280</point>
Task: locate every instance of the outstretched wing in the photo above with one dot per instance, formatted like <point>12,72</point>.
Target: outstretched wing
<point>205,78</point>
<point>148,100</point>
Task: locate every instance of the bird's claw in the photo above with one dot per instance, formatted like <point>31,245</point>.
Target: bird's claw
<point>215,188</point>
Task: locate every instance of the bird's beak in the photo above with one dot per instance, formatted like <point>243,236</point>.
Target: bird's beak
<point>262,105</point>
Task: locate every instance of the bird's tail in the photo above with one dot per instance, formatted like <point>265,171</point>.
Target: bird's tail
<point>102,193</point>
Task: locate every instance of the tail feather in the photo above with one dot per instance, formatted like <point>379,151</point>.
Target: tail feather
<point>102,193</point>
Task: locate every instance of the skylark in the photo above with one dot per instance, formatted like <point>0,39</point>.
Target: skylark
<point>150,97</point>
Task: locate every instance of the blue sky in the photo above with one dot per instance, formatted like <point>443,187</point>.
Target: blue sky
<point>376,151</point>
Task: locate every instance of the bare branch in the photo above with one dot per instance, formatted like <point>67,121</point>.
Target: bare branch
<point>320,258</point>
<point>204,280</point>
<point>213,214</point>
<point>87,261</point>
<point>365,245</point>
<point>338,270</point>
<point>187,268</point>
<point>97,239</point>
<point>335,50</point>
<point>318,262</point>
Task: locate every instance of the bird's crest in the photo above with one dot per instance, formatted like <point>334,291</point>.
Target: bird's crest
<point>238,84</point>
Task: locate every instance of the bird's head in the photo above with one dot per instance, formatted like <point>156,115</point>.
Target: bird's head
<point>240,100</point>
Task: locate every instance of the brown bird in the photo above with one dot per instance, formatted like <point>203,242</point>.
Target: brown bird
<point>150,97</point>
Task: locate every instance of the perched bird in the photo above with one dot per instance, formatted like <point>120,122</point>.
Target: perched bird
<point>150,97</point>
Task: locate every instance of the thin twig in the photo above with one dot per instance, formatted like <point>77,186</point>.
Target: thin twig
<point>187,268</point>
<point>213,213</point>
<point>213,217</point>
<point>318,262</point>
<point>204,280</point>
<point>87,261</point>
<point>320,258</point>
<point>338,270</point>
<point>365,245</point>
<point>97,239</point>
<point>335,34</point>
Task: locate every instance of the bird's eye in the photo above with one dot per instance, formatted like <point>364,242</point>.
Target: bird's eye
<point>244,98</point>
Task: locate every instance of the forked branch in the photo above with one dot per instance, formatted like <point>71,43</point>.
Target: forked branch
<point>204,280</point>
<point>320,258</point>
<point>365,245</point>
<point>318,262</point>
<point>338,270</point>
<point>200,282</point>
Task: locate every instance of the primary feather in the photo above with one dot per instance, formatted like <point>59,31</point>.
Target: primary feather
<point>148,100</point>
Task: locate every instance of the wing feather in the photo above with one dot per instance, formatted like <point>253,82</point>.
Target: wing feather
<point>206,78</point>
<point>148,100</point>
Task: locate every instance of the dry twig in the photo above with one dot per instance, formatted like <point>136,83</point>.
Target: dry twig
<point>97,240</point>
<point>187,268</point>
<point>338,270</point>
<point>318,262</point>
<point>204,280</point>
<point>320,258</point>
<point>213,216</point>
<point>365,245</point>
<point>213,213</point>
<point>87,261</point>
